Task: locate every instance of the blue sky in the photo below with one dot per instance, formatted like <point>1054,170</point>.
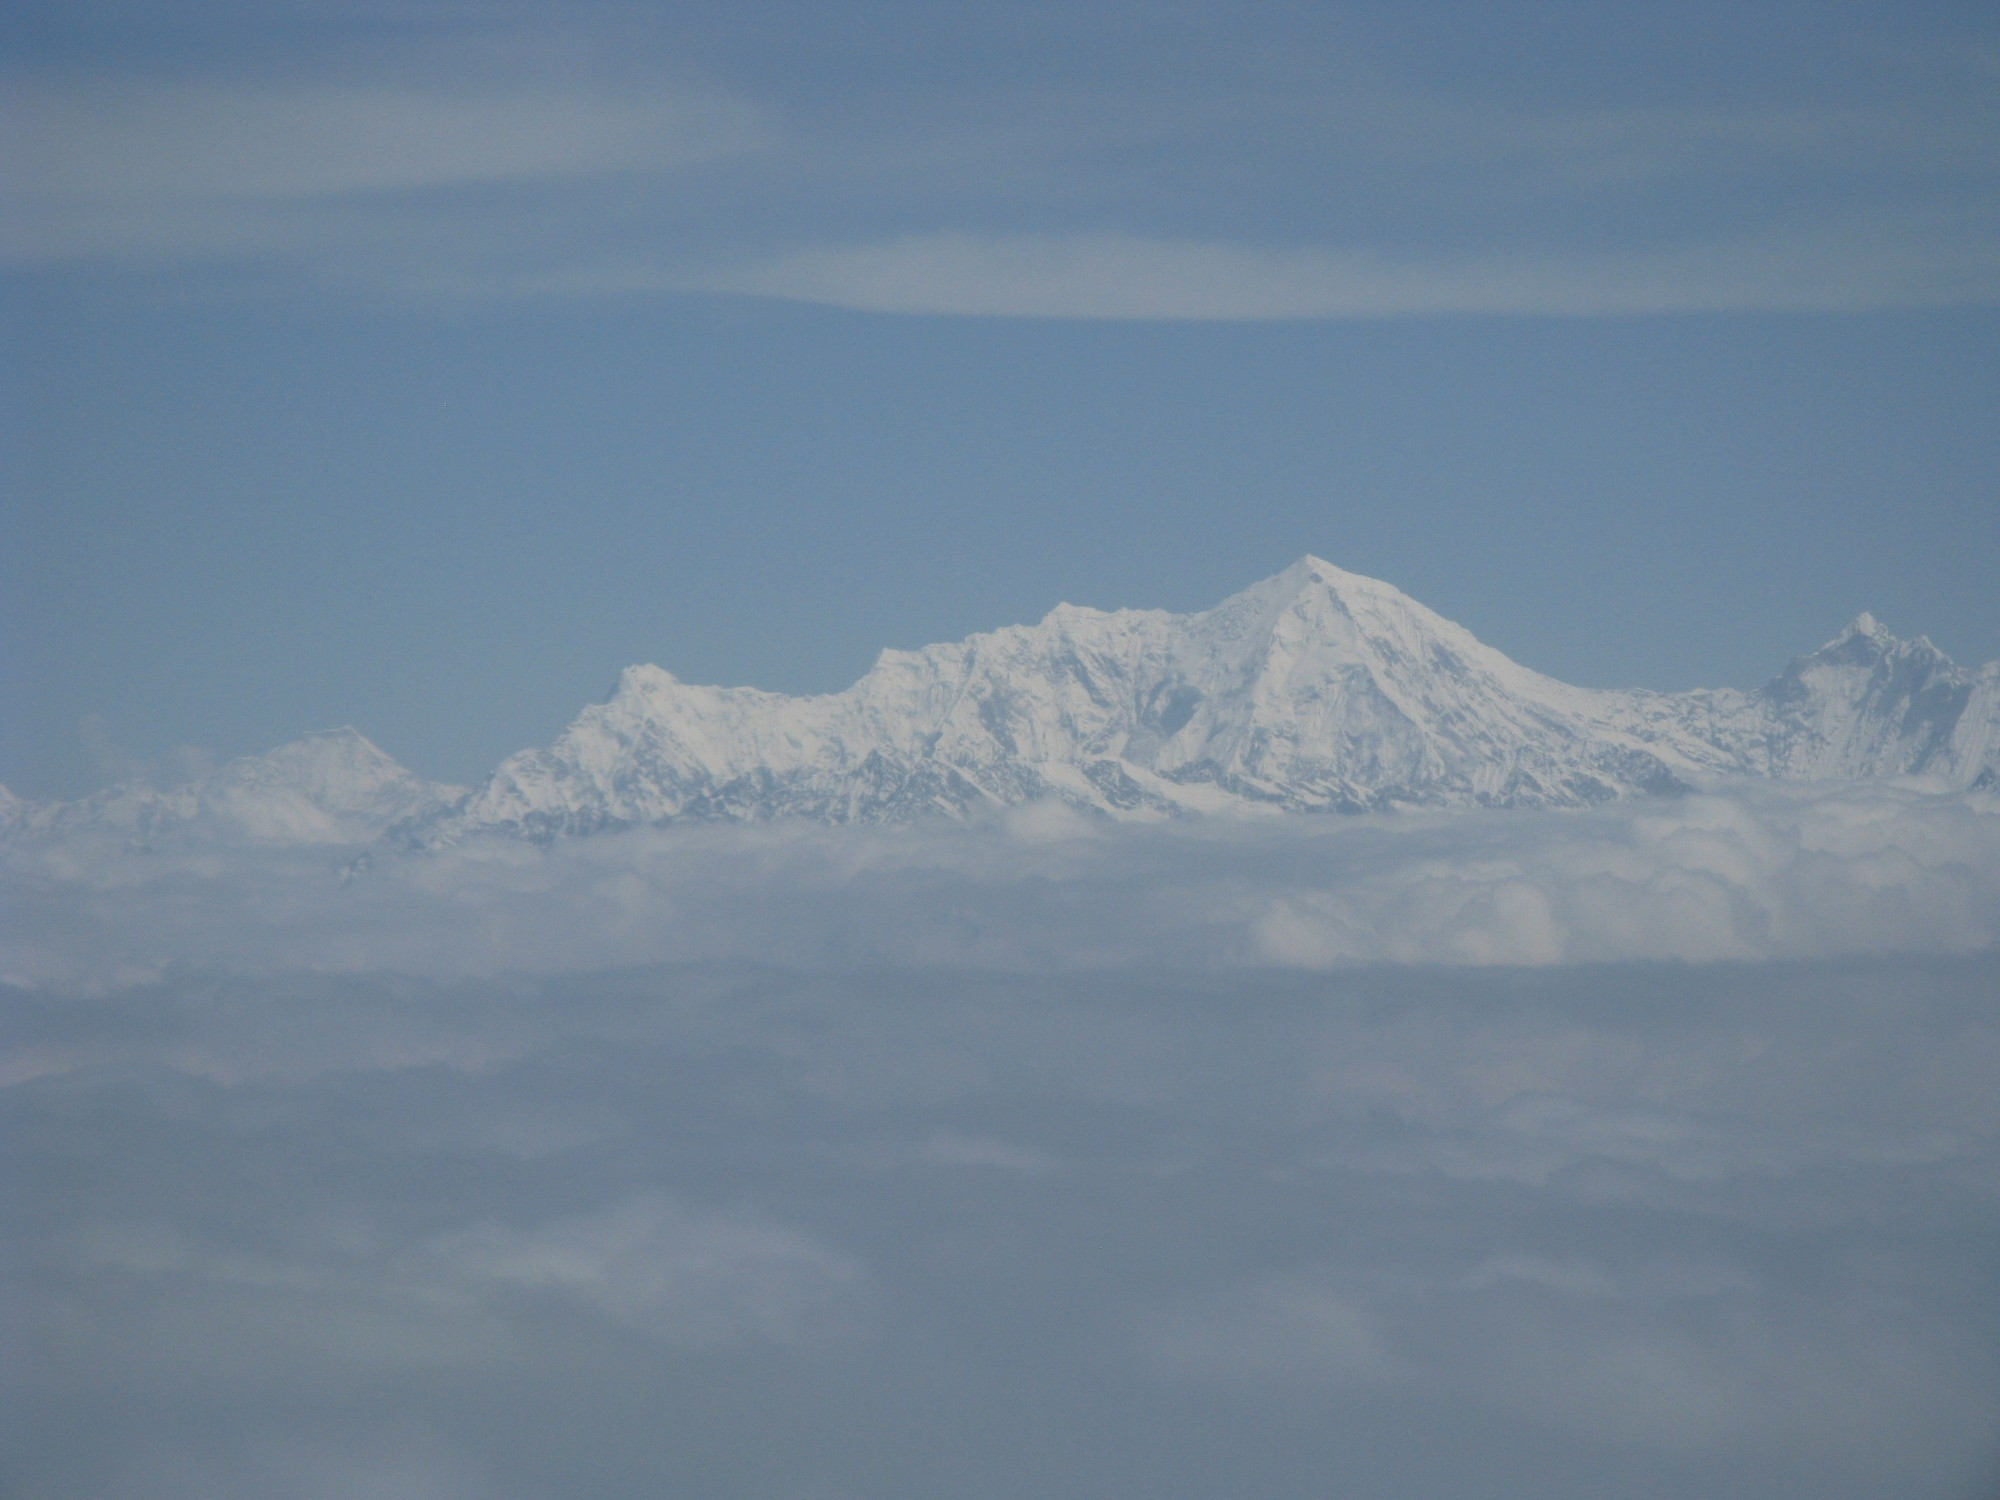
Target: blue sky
<point>420,366</point>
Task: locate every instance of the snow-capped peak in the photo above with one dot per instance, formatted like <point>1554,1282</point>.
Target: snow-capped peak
<point>1314,689</point>
<point>333,786</point>
<point>644,680</point>
<point>1866,624</point>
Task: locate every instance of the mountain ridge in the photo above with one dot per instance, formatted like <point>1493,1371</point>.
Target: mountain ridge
<point>1315,689</point>
<point>332,786</point>
<point>1312,690</point>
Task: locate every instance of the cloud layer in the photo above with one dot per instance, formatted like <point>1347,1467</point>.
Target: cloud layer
<point>1649,1151</point>
<point>1765,873</point>
<point>1636,1151</point>
<point>725,1228</point>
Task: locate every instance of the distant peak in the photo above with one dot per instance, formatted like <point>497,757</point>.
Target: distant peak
<point>345,745</point>
<point>1306,571</point>
<point>1866,624</point>
<point>1864,638</point>
<point>1310,567</point>
<point>642,679</point>
<point>1867,639</point>
<point>1310,570</point>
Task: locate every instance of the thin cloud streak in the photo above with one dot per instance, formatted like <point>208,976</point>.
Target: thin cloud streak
<point>1240,190</point>
<point>1116,276</point>
<point>125,167</point>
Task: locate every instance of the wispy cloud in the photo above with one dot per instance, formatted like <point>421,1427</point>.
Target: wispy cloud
<point>1678,1355</point>
<point>1238,182</point>
<point>117,166</point>
<point>692,1279</point>
<point>1112,276</point>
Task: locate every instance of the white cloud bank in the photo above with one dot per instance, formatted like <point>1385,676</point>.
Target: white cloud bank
<point>1765,873</point>
<point>1052,1157</point>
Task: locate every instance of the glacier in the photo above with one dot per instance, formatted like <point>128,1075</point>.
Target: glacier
<point>1316,690</point>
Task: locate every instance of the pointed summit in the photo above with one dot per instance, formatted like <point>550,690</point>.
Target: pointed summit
<point>1861,633</point>
<point>1314,689</point>
<point>1314,578</point>
<point>643,679</point>
<point>1310,570</point>
<point>1311,566</point>
<point>1866,624</point>
<point>1867,641</point>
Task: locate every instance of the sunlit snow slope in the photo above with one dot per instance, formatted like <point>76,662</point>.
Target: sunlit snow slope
<point>1314,690</point>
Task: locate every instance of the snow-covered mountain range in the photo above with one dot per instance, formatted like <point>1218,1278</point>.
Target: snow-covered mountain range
<point>334,787</point>
<point>1315,690</point>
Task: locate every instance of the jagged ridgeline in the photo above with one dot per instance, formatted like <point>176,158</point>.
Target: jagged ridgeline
<point>1314,691</point>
